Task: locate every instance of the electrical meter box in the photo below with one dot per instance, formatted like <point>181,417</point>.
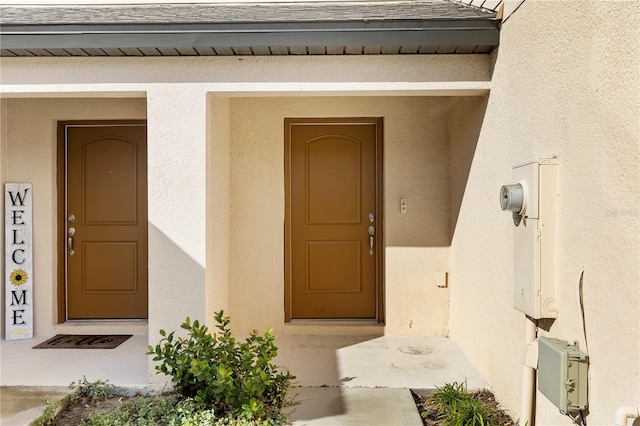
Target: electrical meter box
<point>534,261</point>
<point>562,374</point>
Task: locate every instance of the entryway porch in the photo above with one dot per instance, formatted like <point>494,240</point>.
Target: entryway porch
<point>345,380</point>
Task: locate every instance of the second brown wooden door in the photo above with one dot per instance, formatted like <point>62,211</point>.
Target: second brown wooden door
<point>333,233</point>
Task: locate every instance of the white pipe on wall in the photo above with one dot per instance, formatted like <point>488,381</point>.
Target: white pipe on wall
<point>626,412</point>
<point>527,407</point>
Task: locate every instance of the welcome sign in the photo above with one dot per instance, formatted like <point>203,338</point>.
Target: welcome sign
<point>18,249</point>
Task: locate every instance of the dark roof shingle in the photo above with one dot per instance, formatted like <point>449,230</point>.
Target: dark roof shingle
<point>310,28</point>
<point>241,12</point>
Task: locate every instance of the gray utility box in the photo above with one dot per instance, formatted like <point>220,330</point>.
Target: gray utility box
<point>562,374</point>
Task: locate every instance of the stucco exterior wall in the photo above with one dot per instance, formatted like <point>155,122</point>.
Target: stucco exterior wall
<point>464,123</point>
<point>379,75</point>
<point>177,187</point>
<point>29,148</point>
<point>218,186</point>
<point>566,84</point>
<point>416,168</point>
<point>3,160</point>
<point>3,136</point>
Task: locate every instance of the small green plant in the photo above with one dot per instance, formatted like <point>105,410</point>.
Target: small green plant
<point>85,391</point>
<point>452,405</point>
<point>448,398</point>
<point>198,418</point>
<point>49,414</point>
<point>223,374</point>
<point>472,412</point>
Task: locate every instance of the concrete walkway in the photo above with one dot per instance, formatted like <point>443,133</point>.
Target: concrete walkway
<point>20,405</point>
<point>341,380</point>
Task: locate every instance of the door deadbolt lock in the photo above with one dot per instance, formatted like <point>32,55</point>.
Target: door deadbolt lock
<point>71,218</point>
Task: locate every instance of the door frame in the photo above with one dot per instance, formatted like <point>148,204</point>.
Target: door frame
<point>61,237</point>
<point>380,302</point>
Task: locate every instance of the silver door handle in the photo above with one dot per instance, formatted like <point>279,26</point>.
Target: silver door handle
<point>71,233</point>
<point>371,232</point>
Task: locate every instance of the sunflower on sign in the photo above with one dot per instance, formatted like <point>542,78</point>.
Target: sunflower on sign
<point>18,277</point>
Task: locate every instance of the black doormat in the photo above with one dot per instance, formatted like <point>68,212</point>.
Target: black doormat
<point>83,341</point>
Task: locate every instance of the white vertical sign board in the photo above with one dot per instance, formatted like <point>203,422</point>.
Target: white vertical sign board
<point>18,261</point>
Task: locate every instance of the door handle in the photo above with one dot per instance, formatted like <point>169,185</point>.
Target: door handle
<point>71,233</point>
<point>372,231</point>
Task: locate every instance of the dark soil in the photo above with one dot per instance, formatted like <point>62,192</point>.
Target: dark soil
<point>84,409</point>
<point>76,413</point>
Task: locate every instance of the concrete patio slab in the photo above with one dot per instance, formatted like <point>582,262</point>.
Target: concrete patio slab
<point>20,405</point>
<point>353,407</point>
<point>124,366</point>
<point>423,362</point>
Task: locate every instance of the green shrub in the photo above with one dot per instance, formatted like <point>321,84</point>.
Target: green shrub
<point>220,373</point>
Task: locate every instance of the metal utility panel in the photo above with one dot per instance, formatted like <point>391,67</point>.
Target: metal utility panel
<point>562,374</point>
<point>534,240</point>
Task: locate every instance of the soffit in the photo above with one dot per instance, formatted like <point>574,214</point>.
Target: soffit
<point>311,28</point>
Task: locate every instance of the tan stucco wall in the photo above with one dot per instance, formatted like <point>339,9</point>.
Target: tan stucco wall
<point>177,186</point>
<point>464,124</point>
<point>416,168</point>
<point>3,176</point>
<point>379,75</point>
<point>565,83</point>
<point>4,130</point>
<point>218,176</point>
<point>29,148</point>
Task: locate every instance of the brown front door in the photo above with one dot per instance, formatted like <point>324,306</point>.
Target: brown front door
<point>333,219</point>
<point>105,220</point>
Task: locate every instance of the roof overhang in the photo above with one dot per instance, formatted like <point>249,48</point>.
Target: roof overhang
<point>277,28</point>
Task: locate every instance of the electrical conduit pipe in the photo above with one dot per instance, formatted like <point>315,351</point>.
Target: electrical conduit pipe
<point>527,406</point>
<point>626,412</point>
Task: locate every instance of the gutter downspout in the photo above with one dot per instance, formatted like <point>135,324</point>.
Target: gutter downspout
<point>528,402</point>
<point>624,413</point>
